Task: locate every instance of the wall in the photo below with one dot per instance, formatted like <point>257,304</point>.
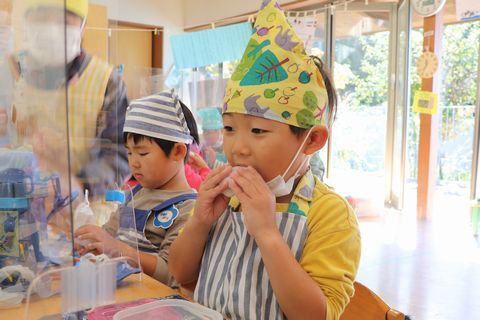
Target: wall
<point>168,14</point>
<point>175,15</point>
<point>95,38</point>
<point>198,12</point>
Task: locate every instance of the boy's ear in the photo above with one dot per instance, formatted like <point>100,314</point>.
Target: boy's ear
<point>178,152</point>
<point>316,141</point>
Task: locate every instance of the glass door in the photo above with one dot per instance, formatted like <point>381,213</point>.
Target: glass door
<point>320,46</point>
<point>458,143</point>
<point>475,179</point>
<point>396,179</point>
<point>363,55</point>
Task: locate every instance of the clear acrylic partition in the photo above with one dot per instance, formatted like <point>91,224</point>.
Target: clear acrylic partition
<point>201,87</point>
<point>60,134</point>
<point>202,90</point>
<point>139,67</point>
<point>35,186</point>
<point>361,72</point>
<point>73,292</point>
<point>142,81</point>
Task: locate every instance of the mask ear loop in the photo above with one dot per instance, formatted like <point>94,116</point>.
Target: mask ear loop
<point>298,152</point>
<point>84,22</point>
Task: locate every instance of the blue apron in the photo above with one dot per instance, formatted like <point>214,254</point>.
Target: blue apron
<point>133,221</point>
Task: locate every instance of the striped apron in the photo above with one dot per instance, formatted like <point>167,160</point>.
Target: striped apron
<point>233,279</point>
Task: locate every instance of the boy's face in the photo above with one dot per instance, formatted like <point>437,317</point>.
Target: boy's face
<point>212,136</point>
<point>266,145</point>
<point>149,164</point>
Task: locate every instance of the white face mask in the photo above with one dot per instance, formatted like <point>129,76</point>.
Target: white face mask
<point>6,41</point>
<point>47,43</point>
<point>278,185</point>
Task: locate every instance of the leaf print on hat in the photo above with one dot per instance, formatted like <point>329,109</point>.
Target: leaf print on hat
<point>266,69</point>
<point>247,60</point>
<point>305,118</point>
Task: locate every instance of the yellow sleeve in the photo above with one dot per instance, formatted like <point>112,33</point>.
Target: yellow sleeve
<point>190,214</point>
<point>332,249</point>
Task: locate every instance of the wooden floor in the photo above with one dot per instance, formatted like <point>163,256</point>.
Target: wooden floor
<point>428,269</point>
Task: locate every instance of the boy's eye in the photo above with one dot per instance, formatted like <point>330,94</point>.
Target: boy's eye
<point>228,128</point>
<point>258,131</point>
<point>143,153</point>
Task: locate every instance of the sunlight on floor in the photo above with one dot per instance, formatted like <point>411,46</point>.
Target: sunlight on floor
<point>428,269</point>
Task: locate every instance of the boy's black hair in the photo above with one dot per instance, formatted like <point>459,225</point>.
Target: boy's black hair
<point>191,123</point>
<point>331,93</point>
<point>166,145</point>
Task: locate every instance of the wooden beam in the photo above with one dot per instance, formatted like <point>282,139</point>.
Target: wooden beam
<point>293,5</point>
<point>157,53</point>
<point>429,124</point>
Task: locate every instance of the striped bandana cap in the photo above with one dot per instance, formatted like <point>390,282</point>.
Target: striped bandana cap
<point>158,116</point>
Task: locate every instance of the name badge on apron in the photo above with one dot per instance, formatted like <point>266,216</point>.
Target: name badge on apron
<point>165,218</point>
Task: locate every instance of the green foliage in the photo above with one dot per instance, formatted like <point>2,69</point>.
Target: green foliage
<point>361,77</point>
<point>458,94</point>
<point>460,64</point>
<point>367,59</point>
<point>362,66</point>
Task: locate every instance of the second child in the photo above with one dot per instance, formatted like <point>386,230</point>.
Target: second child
<point>158,137</point>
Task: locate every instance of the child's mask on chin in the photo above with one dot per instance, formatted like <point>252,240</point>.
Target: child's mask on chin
<point>278,185</point>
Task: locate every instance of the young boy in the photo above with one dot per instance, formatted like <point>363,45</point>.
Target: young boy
<point>285,246</point>
<point>158,134</point>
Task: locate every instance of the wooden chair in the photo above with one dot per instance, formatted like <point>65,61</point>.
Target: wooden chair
<point>366,305</point>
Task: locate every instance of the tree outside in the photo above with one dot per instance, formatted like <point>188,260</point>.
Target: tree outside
<point>361,78</point>
<point>360,69</point>
<point>458,94</point>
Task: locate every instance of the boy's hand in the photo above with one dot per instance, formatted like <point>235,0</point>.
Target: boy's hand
<point>99,241</point>
<point>211,203</point>
<point>258,202</point>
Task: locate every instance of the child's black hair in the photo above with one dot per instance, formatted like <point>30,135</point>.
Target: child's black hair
<point>167,145</point>
<point>331,93</point>
<point>191,123</point>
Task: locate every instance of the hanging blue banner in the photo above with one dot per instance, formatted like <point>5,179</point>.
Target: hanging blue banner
<point>201,48</point>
